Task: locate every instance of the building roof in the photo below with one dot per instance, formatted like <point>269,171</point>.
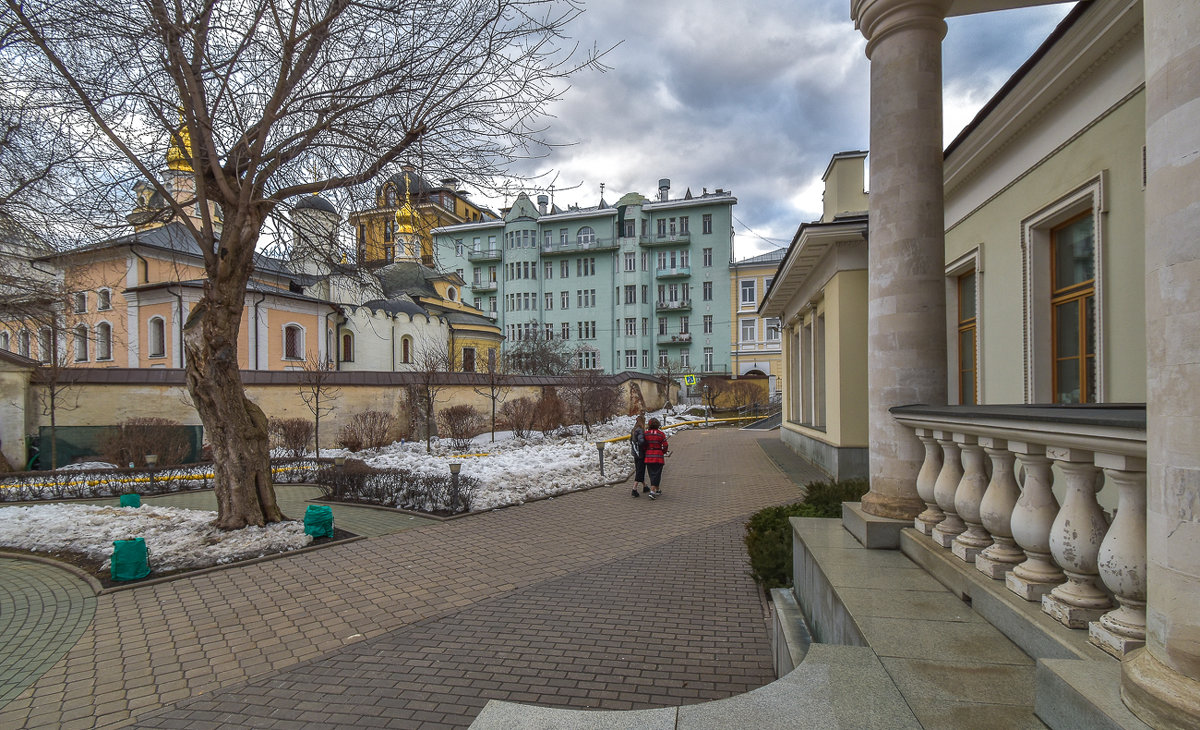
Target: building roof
<point>394,306</point>
<point>770,257</point>
<point>315,202</point>
<point>407,277</point>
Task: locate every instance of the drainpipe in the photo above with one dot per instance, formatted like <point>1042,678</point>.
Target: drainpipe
<point>179,298</point>
<point>393,331</point>
<point>261,298</point>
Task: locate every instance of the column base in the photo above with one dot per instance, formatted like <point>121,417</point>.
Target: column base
<point>945,539</point>
<point>964,552</point>
<point>925,528</point>
<point>1160,696</point>
<point>994,569</point>
<point>892,508</point>
<point>1110,641</point>
<point>1073,617</point>
<point>872,531</point>
<point>1030,590</point>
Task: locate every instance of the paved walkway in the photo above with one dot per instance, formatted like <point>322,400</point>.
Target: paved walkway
<point>593,599</point>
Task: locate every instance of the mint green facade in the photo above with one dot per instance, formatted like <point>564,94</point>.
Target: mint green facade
<point>631,284</point>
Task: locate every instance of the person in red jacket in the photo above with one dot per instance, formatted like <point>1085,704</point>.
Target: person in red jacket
<point>655,453</point>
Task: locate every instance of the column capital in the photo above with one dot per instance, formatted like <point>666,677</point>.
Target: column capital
<point>878,18</point>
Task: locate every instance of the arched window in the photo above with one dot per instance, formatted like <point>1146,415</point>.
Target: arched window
<point>451,293</point>
<point>406,349</point>
<point>104,299</point>
<point>389,195</point>
<point>80,302</point>
<point>45,344</point>
<point>4,342</point>
<point>586,236</point>
<point>157,336</point>
<point>104,341</point>
<point>347,347</point>
<point>81,343</point>
<point>293,342</point>
<point>23,343</point>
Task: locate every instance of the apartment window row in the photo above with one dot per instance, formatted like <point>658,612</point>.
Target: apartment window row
<point>520,270</point>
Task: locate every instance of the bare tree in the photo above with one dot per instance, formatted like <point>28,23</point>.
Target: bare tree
<point>593,396</point>
<point>495,384</point>
<point>538,352</point>
<point>431,364</point>
<point>58,392</point>
<point>261,102</point>
<point>317,392</point>
<point>670,371</point>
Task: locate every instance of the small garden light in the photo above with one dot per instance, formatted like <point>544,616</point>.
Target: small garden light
<point>151,460</point>
<point>600,449</point>
<point>339,461</point>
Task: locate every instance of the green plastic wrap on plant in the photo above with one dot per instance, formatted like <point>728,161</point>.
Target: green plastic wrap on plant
<point>318,521</point>
<point>131,500</point>
<point>130,559</point>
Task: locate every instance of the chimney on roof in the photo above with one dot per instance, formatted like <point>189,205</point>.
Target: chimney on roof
<point>450,182</point>
<point>664,189</point>
<point>543,201</point>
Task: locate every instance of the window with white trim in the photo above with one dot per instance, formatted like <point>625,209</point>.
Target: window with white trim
<point>293,342</point>
<point>749,293</point>
<point>104,341</point>
<point>81,343</point>
<point>156,337</point>
<point>104,300</point>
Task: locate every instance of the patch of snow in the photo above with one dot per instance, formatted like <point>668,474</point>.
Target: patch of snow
<point>88,466</point>
<point>176,538</point>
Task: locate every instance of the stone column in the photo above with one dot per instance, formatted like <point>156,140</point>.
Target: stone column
<point>1161,683</point>
<point>906,339</point>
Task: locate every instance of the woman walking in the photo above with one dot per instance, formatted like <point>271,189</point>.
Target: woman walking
<point>654,454</point>
<point>637,445</point>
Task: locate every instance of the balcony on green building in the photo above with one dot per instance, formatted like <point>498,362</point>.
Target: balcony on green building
<point>681,305</point>
<point>678,338</point>
<point>678,272</point>
<point>484,255</point>
<point>665,239</point>
<point>578,247</point>
<point>480,287</point>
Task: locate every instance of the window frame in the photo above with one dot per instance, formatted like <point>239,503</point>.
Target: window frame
<point>285,353</point>
<point>156,325</point>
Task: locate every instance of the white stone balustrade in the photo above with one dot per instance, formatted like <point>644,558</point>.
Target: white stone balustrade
<point>1069,558</point>
<point>996,509</point>
<point>967,498</point>
<point>926,480</point>
<point>945,487</point>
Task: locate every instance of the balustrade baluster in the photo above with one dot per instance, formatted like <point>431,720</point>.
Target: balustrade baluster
<point>1122,559</point>
<point>926,479</point>
<point>945,487</point>
<point>996,510</point>
<point>1032,518</point>
<point>967,497</point>
<point>1075,541</point>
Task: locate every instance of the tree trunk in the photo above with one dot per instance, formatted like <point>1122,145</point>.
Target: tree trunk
<point>236,428</point>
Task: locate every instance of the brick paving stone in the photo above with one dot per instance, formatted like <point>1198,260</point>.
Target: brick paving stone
<point>578,588</point>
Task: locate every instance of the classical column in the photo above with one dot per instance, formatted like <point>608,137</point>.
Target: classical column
<point>967,499</point>
<point>1161,683</point>
<point>1031,521</point>
<point>1075,539</point>
<point>944,488</point>
<point>926,481</point>
<point>906,339</point>
<point>996,510</point>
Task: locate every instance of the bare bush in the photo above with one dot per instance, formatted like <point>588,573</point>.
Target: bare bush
<point>134,438</point>
<point>460,424</point>
<point>434,493</point>
<point>367,430</point>
<point>293,434</point>
<point>551,412</point>
<point>520,414</point>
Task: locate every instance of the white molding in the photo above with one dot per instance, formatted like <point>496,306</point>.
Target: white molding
<point>1089,196</point>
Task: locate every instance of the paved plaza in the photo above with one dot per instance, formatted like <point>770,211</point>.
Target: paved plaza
<point>590,600</point>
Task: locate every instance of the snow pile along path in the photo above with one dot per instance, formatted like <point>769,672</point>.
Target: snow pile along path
<point>176,538</point>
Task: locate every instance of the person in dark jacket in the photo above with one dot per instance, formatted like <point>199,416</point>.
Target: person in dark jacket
<point>655,454</point>
<point>637,446</point>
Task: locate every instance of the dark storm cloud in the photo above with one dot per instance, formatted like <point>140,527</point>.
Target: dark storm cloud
<point>750,97</point>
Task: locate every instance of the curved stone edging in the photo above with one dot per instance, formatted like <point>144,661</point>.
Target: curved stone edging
<point>83,575</point>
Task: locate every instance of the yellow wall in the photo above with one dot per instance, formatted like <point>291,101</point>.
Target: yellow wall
<point>1113,144</point>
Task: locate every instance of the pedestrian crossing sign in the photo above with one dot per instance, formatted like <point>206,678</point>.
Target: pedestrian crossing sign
<point>689,379</point>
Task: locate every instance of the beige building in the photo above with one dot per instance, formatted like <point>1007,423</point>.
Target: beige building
<point>820,296</point>
<point>755,348</point>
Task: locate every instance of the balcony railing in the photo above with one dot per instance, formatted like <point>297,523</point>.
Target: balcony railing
<point>677,272</point>
<point>576,247</point>
<point>490,254</point>
<point>666,239</point>
<point>483,286</point>
<point>673,306</point>
<point>1069,557</point>
<point>679,338</point>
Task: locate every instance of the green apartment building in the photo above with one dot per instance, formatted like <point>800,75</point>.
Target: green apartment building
<point>631,285</point>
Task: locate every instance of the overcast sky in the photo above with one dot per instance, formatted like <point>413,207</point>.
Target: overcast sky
<point>753,97</point>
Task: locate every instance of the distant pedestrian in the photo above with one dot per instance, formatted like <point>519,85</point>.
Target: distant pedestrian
<point>655,455</point>
<point>637,446</point>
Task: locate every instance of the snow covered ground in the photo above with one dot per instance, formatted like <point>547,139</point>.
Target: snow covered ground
<point>511,471</point>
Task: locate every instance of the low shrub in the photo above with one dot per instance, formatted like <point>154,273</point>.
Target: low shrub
<point>357,482</point>
<point>519,413</point>
<point>769,533</point>
<point>136,437</point>
<point>460,424</point>
<point>293,434</point>
<point>367,430</point>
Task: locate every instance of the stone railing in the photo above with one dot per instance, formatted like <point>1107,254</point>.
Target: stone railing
<point>987,482</point>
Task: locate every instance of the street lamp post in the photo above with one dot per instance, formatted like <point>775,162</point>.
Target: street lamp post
<point>455,468</point>
<point>600,449</point>
<point>151,462</point>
